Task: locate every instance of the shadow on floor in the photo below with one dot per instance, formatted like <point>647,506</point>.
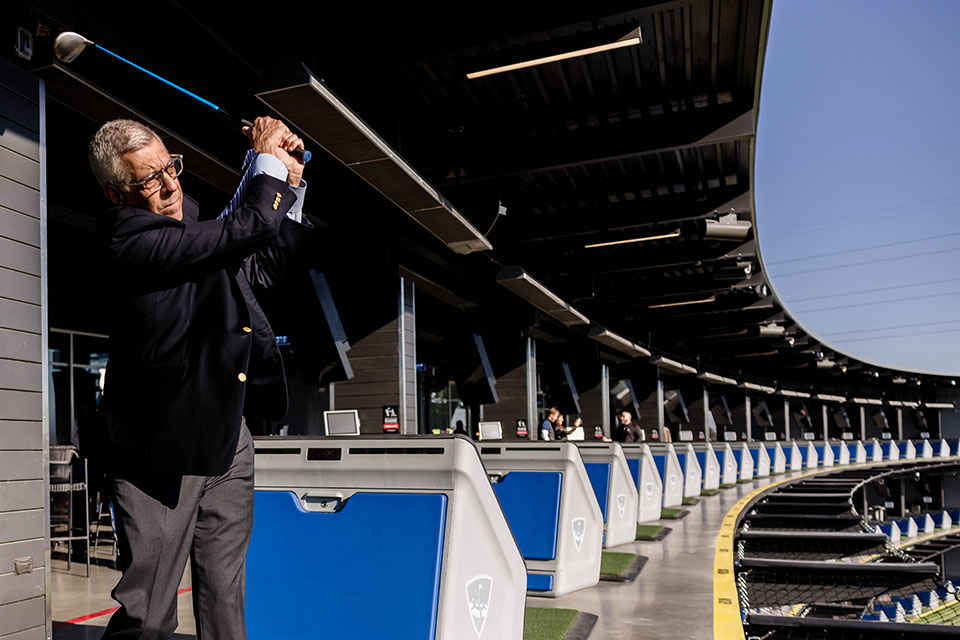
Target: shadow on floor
<point>66,631</point>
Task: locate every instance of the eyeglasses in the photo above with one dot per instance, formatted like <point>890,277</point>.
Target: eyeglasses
<point>152,183</point>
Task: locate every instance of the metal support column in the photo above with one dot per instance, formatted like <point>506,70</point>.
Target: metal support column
<point>786,420</point>
<point>533,424</point>
<point>661,419</point>
<point>605,399</point>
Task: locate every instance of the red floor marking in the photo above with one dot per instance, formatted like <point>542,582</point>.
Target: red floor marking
<point>105,612</point>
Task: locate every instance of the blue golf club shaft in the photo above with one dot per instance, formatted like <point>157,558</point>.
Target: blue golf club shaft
<point>300,152</point>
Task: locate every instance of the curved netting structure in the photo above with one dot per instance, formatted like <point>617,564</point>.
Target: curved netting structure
<point>811,563</point>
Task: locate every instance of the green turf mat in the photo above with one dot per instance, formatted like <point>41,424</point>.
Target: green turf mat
<point>728,485</point>
<point>668,512</point>
<point>540,623</point>
<point>613,563</point>
<point>689,501</point>
<point>652,533</point>
<point>707,492</point>
<point>647,530</point>
<point>743,480</point>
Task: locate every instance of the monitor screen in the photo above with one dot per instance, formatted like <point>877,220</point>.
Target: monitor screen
<point>721,413</point>
<point>925,434</point>
<point>809,435</point>
<point>886,435</point>
<point>674,408</point>
<point>341,423</point>
<point>802,418</point>
<point>840,417</point>
<point>762,414</point>
<point>730,436</point>
<point>686,435</point>
<point>880,420</point>
<point>770,435</point>
<point>490,431</point>
<point>846,435</point>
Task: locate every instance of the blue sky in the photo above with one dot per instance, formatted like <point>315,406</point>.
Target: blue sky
<point>857,175</point>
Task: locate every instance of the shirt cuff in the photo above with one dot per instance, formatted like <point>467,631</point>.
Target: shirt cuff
<point>270,165</point>
<point>273,166</point>
<point>295,212</point>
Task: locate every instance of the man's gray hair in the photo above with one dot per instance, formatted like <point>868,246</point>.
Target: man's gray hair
<point>110,143</point>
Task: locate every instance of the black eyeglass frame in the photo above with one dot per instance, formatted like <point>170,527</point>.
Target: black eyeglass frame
<point>176,163</point>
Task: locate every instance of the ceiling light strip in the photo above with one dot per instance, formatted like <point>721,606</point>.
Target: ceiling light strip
<point>612,243</point>
<point>680,304</point>
<point>627,42</point>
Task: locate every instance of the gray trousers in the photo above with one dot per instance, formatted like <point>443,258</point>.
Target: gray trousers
<point>163,519</point>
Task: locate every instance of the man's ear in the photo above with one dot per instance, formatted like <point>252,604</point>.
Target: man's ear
<point>113,194</point>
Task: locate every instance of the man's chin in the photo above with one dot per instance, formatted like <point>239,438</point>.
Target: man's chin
<point>173,210</point>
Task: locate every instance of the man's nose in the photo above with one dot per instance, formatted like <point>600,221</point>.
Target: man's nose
<point>170,183</point>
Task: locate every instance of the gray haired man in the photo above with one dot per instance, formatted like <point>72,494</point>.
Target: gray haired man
<point>191,355</point>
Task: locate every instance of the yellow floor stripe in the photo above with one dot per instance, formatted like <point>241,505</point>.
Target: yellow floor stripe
<point>727,622</point>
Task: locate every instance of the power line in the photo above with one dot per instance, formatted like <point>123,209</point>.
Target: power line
<point>899,326</point>
<point>899,210</point>
<point>865,262</point>
<point>887,288</point>
<point>876,302</point>
<point>876,246</point>
<point>901,335</point>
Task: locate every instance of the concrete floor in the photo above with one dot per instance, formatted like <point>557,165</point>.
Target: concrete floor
<point>672,598</point>
<point>673,595</point>
<point>75,596</point>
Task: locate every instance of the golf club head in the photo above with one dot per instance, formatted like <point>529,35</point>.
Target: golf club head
<point>69,45</point>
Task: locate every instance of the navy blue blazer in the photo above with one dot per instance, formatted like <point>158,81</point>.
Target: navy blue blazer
<point>190,349</point>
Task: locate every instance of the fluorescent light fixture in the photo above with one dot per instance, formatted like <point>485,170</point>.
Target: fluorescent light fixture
<point>899,380</point>
<point>939,405</point>
<point>706,376</point>
<point>762,388</point>
<point>772,330</point>
<point>733,230</point>
<point>672,365</point>
<point>619,343</point>
<point>894,403</point>
<point>829,398</point>
<point>874,401</point>
<point>520,282</point>
<point>865,401</point>
<point>794,394</point>
<point>912,405</point>
<point>825,364</point>
<point>329,122</point>
<point>672,234</point>
<point>680,304</point>
<point>631,39</point>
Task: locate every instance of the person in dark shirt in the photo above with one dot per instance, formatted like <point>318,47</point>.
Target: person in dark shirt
<point>626,430</point>
<point>547,426</point>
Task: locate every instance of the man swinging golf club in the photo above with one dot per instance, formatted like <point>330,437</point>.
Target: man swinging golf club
<point>191,354</point>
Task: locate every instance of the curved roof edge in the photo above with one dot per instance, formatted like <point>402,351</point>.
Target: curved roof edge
<point>764,37</point>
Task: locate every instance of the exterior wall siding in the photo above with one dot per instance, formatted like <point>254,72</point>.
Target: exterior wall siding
<point>24,610</point>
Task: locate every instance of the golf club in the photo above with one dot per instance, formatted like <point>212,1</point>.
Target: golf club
<point>69,45</point>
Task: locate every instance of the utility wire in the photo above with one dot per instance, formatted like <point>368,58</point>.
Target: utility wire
<point>899,326</point>
<point>897,336</point>
<point>870,248</point>
<point>876,302</point>
<point>890,212</point>
<point>895,286</point>
<point>865,262</point>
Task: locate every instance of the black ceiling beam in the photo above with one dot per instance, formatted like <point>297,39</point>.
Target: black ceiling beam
<point>491,158</point>
<point>594,219</point>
